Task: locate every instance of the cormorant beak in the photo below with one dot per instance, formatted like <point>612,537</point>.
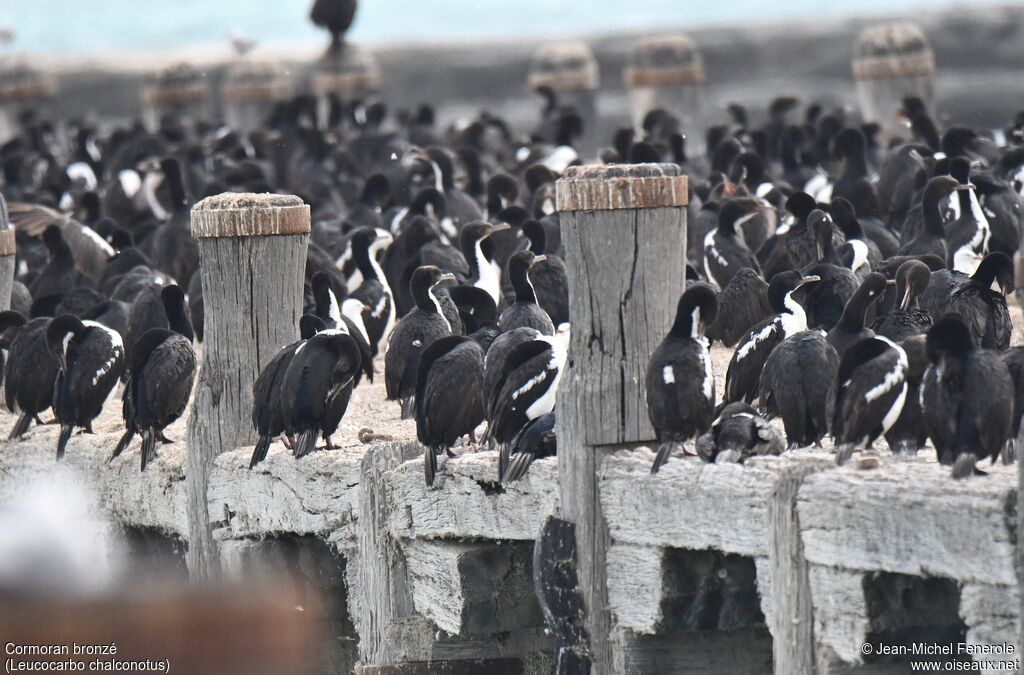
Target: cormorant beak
<point>812,279</point>
<point>447,276</point>
<point>500,227</point>
<point>537,259</point>
<point>890,282</point>
<point>821,250</point>
<point>961,188</point>
<point>905,302</point>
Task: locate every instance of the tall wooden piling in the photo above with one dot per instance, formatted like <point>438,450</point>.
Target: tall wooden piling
<point>667,72</point>
<point>891,62</point>
<point>180,89</point>
<point>21,86</point>
<point>249,92</point>
<point>252,259</point>
<point>570,70</point>
<point>624,232</point>
<point>7,257</point>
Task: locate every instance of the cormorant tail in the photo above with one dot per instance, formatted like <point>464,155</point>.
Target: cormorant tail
<point>148,447</point>
<point>126,438</point>
<point>518,467</point>
<point>21,426</point>
<point>408,407</point>
<point>305,443</point>
<point>429,464</point>
<point>964,465</point>
<point>843,453</point>
<point>664,450</point>
<point>259,453</point>
<point>62,439</point>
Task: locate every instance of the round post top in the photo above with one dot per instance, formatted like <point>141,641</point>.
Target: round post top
<point>248,80</point>
<point>892,50</point>
<point>245,214</point>
<point>20,81</point>
<point>609,187</point>
<point>664,61</point>
<point>564,66</point>
<point>180,84</point>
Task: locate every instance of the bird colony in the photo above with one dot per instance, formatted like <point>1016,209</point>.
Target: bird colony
<point>860,280</point>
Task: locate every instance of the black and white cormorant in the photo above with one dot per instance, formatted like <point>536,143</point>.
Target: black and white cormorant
<point>932,239</point>
<point>416,331</point>
<point>966,398</point>
<point>91,358</point>
<point>968,236</point>
<point>526,389</point>
<point>850,328</point>
<point>737,433</point>
<point>796,383</point>
<point>537,440</point>
<point>373,289</point>
<point>30,371</point>
<point>870,391</point>
<point>157,307</point>
<point>346,316</point>
<point>449,397</point>
<point>316,388</point>
<point>725,252</point>
<point>484,271</point>
<point>906,319</point>
<point>907,435</point>
<point>983,310</point>
<point>744,373</point>
<point>525,312</point>
<point>680,382</point>
<point>860,253</point>
<point>266,391</point>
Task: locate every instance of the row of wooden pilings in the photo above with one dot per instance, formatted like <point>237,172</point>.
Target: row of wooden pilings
<point>890,61</point>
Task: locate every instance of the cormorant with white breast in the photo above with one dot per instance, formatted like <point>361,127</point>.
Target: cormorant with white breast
<point>870,390</point>
<point>725,253</point>
<point>416,331</point>
<point>744,374</point>
<point>91,358</point>
<point>680,383</point>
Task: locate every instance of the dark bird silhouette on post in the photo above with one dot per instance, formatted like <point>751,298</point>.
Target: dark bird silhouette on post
<point>336,16</point>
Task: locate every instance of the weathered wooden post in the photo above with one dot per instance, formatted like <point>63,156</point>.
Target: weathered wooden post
<point>249,92</point>
<point>252,259</point>
<point>179,89</point>
<point>21,86</point>
<point>667,72</point>
<point>355,74</point>
<point>891,62</point>
<point>571,71</point>
<point>7,258</point>
<point>624,232</point>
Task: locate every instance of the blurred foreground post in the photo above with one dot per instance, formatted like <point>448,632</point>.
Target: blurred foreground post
<point>252,260</point>
<point>7,257</point>
<point>570,70</point>
<point>668,72</point>
<point>891,62</point>
<point>624,232</point>
<point>229,630</point>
